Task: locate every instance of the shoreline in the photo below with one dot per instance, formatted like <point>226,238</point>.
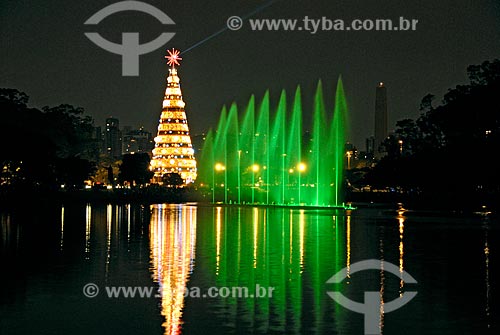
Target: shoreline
<point>147,196</point>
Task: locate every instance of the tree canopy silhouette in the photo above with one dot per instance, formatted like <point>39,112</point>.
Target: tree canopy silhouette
<point>135,169</point>
<point>43,148</point>
<point>452,147</point>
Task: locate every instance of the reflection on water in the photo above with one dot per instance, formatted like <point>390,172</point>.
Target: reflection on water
<point>382,290</point>
<point>401,220</point>
<point>293,251</point>
<point>88,224</point>
<point>48,254</point>
<point>9,233</point>
<point>348,247</point>
<point>62,227</point>
<point>382,283</point>
<point>487,272</point>
<point>173,243</point>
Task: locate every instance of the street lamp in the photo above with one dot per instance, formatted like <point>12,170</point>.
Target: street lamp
<point>254,168</point>
<point>290,172</point>
<point>220,167</point>
<point>301,167</point>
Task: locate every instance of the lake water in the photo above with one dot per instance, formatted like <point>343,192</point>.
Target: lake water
<point>283,257</point>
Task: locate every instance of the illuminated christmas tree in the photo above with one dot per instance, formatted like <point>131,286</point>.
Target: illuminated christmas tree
<point>173,152</point>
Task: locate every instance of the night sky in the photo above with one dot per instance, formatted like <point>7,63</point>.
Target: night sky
<point>44,53</point>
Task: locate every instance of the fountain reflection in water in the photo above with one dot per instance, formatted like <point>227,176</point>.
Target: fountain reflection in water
<point>288,250</point>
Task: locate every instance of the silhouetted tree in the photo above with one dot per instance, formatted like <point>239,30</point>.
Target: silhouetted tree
<point>172,180</point>
<point>135,169</point>
<point>34,144</point>
<point>71,131</point>
<point>452,147</point>
<point>73,171</point>
<point>25,146</point>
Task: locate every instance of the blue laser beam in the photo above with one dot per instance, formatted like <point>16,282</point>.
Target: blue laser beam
<point>218,32</point>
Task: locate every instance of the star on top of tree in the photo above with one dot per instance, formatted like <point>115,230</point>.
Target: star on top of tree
<point>173,57</point>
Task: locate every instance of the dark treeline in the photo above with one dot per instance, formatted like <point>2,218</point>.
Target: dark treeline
<point>450,152</point>
<point>43,149</point>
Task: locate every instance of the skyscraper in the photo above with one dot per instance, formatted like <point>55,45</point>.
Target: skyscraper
<point>136,141</point>
<point>113,138</point>
<point>173,152</point>
<point>380,119</point>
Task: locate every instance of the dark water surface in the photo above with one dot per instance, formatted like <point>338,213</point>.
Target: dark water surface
<point>48,254</point>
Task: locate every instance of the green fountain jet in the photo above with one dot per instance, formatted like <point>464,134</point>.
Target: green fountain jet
<point>264,158</point>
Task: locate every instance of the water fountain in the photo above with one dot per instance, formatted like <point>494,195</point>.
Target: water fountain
<point>264,158</point>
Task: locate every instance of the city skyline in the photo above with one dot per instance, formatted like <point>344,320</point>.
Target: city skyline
<point>381,115</point>
<point>358,146</point>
